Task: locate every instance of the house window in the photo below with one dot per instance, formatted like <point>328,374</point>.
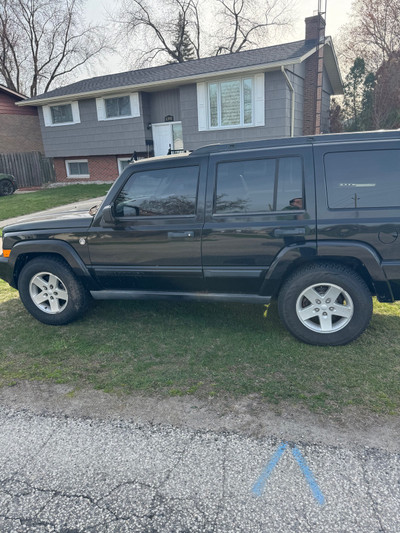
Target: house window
<point>237,103</point>
<point>231,103</point>
<point>77,168</point>
<point>118,107</point>
<point>123,162</point>
<point>61,114</point>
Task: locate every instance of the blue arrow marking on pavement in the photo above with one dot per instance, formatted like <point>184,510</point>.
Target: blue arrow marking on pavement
<point>308,475</point>
<point>259,486</point>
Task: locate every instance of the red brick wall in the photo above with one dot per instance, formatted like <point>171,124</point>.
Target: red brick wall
<point>310,95</point>
<point>311,74</point>
<point>101,168</point>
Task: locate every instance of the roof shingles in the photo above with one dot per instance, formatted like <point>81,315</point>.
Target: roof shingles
<point>196,67</point>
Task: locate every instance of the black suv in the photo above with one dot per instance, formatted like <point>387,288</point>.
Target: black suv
<point>311,221</point>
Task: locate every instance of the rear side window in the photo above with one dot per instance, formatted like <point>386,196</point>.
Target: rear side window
<point>166,192</point>
<point>363,179</point>
<point>259,186</point>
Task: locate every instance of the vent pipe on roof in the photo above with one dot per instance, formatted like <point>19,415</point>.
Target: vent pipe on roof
<point>292,107</point>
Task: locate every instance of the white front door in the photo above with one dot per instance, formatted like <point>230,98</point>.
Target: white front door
<point>162,138</point>
<point>167,135</point>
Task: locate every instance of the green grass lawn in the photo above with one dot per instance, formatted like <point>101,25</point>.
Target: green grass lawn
<point>205,349</point>
<point>24,204</point>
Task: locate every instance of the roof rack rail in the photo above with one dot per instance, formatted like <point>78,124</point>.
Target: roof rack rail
<point>292,141</point>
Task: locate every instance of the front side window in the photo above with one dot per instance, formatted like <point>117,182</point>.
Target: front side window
<point>363,179</point>
<point>118,107</point>
<point>230,103</point>
<point>259,186</point>
<point>164,192</point>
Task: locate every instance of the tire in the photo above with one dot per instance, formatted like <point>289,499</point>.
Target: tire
<point>325,305</point>
<point>6,187</point>
<point>51,292</point>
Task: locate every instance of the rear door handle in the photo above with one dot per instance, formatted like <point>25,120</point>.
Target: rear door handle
<point>180,234</point>
<point>292,232</point>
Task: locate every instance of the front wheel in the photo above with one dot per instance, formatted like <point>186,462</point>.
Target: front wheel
<point>325,305</point>
<point>50,291</point>
<point>6,187</point>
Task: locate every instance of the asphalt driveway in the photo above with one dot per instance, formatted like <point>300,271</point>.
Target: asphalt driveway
<point>122,469</point>
<point>85,205</point>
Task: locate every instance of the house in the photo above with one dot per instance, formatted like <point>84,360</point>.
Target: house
<point>92,127</point>
<point>19,126</point>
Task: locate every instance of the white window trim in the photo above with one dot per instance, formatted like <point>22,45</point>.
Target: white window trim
<point>101,106</point>
<point>121,160</point>
<point>258,103</point>
<point>48,119</point>
<point>80,176</point>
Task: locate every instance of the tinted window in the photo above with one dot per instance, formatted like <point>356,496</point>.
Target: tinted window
<point>290,184</point>
<point>259,185</point>
<point>163,192</point>
<point>363,179</point>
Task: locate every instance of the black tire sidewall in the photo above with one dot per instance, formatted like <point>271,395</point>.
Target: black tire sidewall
<point>10,189</point>
<point>77,295</point>
<point>348,280</point>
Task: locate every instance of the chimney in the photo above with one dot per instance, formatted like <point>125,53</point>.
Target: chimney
<point>313,26</point>
<point>315,31</point>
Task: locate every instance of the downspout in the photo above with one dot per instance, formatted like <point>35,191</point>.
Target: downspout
<point>291,89</point>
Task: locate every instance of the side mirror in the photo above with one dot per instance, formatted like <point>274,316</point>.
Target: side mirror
<point>107,216</point>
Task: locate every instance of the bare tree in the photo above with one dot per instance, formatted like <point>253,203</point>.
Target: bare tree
<point>247,23</point>
<point>208,26</point>
<point>43,41</point>
<point>373,34</point>
<point>386,105</point>
<point>157,29</point>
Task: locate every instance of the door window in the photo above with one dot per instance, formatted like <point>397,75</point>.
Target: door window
<point>164,192</point>
<point>259,186</point>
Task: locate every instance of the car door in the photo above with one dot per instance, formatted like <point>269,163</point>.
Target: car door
<point>154,241</point>
<point>259,203</point>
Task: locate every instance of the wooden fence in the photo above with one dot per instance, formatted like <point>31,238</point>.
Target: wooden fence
<point>31,169</point>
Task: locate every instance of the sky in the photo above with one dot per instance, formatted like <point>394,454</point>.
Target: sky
<point>336,15</point>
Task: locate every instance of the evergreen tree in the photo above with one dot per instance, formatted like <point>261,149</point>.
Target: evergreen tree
<point>358,102</point>
<point>182,45</point>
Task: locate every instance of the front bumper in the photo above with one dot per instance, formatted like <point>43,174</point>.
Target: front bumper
<point>6,271</point>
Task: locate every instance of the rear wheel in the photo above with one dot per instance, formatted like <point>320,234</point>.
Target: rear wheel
<point>51,292</point>
<point>325,305</point>
<point>6,187</point>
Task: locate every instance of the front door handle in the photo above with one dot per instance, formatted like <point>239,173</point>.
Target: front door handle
<point>292,232</point>
<point>180,234</point>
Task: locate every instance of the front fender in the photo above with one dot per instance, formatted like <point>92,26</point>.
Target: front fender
<point>24,249</point>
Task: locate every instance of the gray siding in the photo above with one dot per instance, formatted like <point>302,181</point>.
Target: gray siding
<point>114,137</point>
<point>93,137</point>
<point>277,114</point>
<point>164,103</point>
